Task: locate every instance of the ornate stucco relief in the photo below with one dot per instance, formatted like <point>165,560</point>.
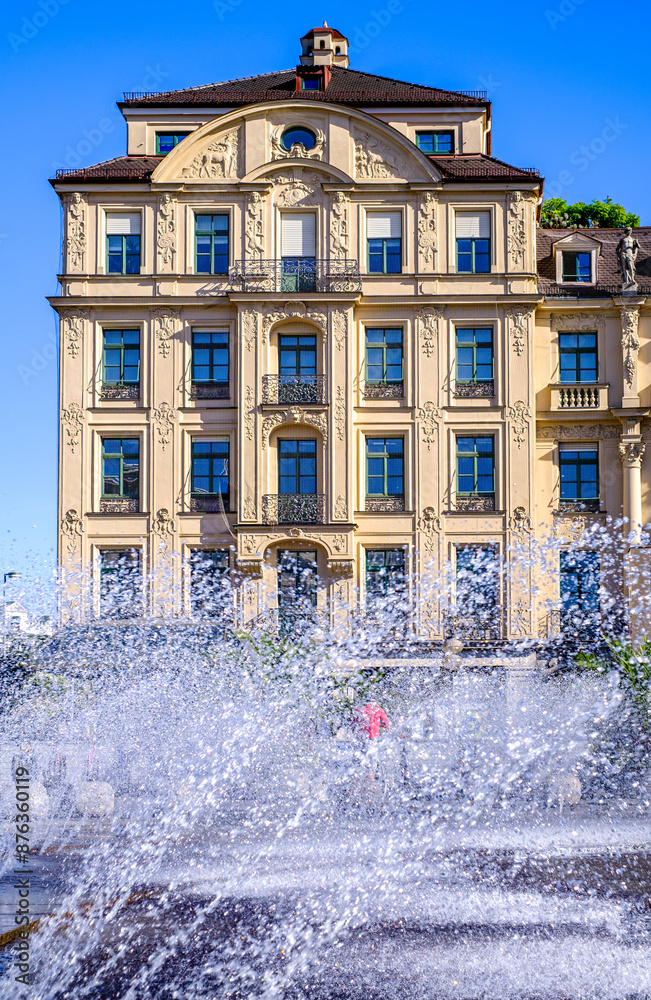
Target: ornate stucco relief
<point>73,328</point>
<point>297,151</point>
<point>73,417</point>
<point>427,231</point>
<point>254,235</point>
<point>164,420</point>
<point>373,159</point>
<point>578,432</point>
<point>294,415</point>
<point>339,231</point>
<point>219,159</point>
<point>166,232</point>
<point>72,526</point>
<point>164,320</point>
<point>76,240</point>
<point>429,319</point>
<point>517,231</point>
<point>519,414</point>
<point>429,414</point>
<point>292,310</point>
<point>518,322</point>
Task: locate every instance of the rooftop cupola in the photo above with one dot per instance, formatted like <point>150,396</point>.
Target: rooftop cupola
<point>324,46</point>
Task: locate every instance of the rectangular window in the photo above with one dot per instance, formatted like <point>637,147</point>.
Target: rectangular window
<point>166,141</point>
<point>577,266</point>
<point>383,356</point>
<point>473,231</point>
<point>210,358</point>
<point>577,357</point>
<point>476,466</point>
<point>435,142</point>
<point>385,573</point>
<point>477,581</point>
<point>310,83</point>
<point>579,466</point>
<point>210,592</point>
<point>579,585</point>
<point>121,357</point>
<point>298,251</point>
<point>210,470</point>
<point>384,238</point>
<point>297,355</point>
<point>385,474</point>
<point>121,583</point>
<point>211,242</point>
<point>123,242</point>
<point>296,466</point>
<point>474,354</point>
<point>121,468</point>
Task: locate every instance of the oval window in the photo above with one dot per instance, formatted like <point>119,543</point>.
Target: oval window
<point>302,136</point>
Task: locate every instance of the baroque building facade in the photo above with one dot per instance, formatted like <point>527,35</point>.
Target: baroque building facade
<point>314,343</point>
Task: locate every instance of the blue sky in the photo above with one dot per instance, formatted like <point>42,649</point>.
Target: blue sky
<point>571,96</point>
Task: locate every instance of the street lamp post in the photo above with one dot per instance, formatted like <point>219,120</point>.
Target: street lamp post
<point>11,575</point>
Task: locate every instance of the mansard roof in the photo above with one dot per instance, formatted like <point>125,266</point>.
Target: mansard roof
<point>346,86</point>
<point>609,280</point>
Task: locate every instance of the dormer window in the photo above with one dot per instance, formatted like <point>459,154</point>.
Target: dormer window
<point>166,141</point>
<point>435,142</point>
<point>311,83</point>
<point>576,259</point>
<point>576,266</point>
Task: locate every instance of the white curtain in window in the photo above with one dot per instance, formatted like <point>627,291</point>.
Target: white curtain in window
<point>473,225</point>
<point>383,225</point>
<point>123,223</point>
<point>579,447</point>
<point>298,234</point>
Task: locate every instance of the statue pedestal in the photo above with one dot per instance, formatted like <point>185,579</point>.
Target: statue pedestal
<point>630,288</point>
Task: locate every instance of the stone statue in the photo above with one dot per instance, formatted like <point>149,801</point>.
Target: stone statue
<point>627,250</point>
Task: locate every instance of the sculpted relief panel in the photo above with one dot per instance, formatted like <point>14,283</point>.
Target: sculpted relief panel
<point>218,160</point>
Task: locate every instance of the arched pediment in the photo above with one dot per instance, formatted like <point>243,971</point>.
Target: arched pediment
<point>243,146</point>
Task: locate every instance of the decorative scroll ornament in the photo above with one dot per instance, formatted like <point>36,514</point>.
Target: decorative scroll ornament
<point>340,328</point>
<point>249,328</point>
<point>298,150</point>
<point>294,415</point>
<point>164,420</point>
<point>519,324</point>
<point>518,414</point>
<point>429,328</point>
<point>339,234</point>
<point>293,187</point>
<point>249,509</point>
<point>521,620</point>
<point>576,321</point>
<point>517,232</point>
<point>570,529</point>
<point>249,412</point>
<point>427,229</point>
<point>338,543</point>
<point>430,524</point>
<point>293,310</point>
<point>76,234</point>
<point>341,508</point>
<point>630,342</point>
<point>163,524</point>
<point>254,237</point>
<point>578,432</point>
<point>74,329</point>
<point>220,159</point>
<point>631,452</point>
<point>164,320</point>
<point>166,232</point>
<point>429,415</point>
<point>373,159</point>
<point>73,417</point>
<point>73,527</point>
<point>520,521</point>
<point>340,413</point>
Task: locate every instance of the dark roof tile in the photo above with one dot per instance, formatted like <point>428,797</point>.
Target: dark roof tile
<point>469,166</point>
<point>609,279</point>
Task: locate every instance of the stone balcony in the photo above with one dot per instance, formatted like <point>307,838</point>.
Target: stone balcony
<point>572,397</point>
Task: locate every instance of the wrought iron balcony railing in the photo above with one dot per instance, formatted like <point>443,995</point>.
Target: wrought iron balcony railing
<point>476,627</point>
<point>209,390</point>
<point>384,390</point>
<point>294,508</point>
<point>474,390</point>
<point>300,274</point>
<point>209,503</point>
<point>304,389</point>
<point>476,502</point>
<point>119,505</point>
<point>384,505</point>
<point>578,506</point>
<point>123,390</point>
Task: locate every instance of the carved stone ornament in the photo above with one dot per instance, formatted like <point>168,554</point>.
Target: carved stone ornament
<point>298,150</point>
<point>74,329</point>
<point>75,248</point>
<point>294,415</point>
<point>292,310</point>
<point>427,230</point>
<point>521,619</point>
<point>341,569</point>
<point>373,159</point>
<point>519,413</point>
<point>164,420</point>
<point>519,329</point>
<point>429,318</point>
<point>627,251</point>
<point>630,342</point>
<point>520,521</point>
<point>340,413</point>
<point>517,231</point>
<point>340,328</point>
<point>294,187</point>
<point>341,508</point>
<point>72,526</point>
<point>631,452</point>
<point>570,529</point>
<point>249,544</point>
<point>569,322</point>
<point>578,432</point>
<point>254,234</point>
<point>429,415</point>
<point>430,524</point>
<point>249,328</point>
<point>73,417</point>
<point>163,523</point>
<point>166,232</point>
<point>220,159</point>
<point>249,412</point>
<point>339,232</point>
<point>164,320</point>
<point>249,509</point>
